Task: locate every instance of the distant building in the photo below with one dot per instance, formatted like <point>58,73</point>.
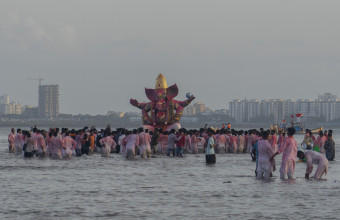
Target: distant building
<point>15,108</point>
<point>200,107</point>
<point>30,112</point>
<point>195,109</point>
<point>190,110</point>
<point>48,105</point>
<point>327,97</point>
<point>116,114</point>
<point>4,100</point>
<point>222,112</point>
<point>326,106</point>
<point>9,108</point>
<point>237,109</point>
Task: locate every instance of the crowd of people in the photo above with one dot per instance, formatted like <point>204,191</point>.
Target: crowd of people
<point>262,145</point>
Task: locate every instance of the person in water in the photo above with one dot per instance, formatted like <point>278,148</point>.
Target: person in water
<point>329,147</point>
<point>28,146</point>
<point>172,139</point>
<point>313,157</point>
<point>18,141</point>
<point>210,156</point>
<point>132,141</point>
<point>265,151</point>
<point>11,141</point>
<point>289,150</point>
<point>85,145</point>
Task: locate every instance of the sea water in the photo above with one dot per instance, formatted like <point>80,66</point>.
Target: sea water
<point>93,187</point>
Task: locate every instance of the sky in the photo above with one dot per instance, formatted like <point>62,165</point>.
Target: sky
<point>102,53</point>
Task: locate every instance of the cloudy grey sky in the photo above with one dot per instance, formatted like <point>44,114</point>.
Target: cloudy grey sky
<point>102,53</point>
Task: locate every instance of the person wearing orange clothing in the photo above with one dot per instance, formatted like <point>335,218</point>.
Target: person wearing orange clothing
<point>92,140</point>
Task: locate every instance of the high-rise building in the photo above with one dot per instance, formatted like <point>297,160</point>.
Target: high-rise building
<point>236,110</point>
<point>254,109</point>
<point>48,105</point>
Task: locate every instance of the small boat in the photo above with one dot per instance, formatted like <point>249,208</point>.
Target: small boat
<point>300,129</point>
<point>298,125</point>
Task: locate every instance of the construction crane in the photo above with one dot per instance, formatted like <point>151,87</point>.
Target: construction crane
<point>40,79</point>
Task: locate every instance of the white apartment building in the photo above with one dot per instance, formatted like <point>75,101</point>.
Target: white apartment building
<point>327,106</point>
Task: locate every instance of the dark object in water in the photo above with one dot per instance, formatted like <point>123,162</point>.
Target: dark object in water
<point>210,159</point>
<point>253,154</point>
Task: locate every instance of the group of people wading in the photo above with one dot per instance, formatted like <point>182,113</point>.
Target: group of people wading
<point>263,145</point>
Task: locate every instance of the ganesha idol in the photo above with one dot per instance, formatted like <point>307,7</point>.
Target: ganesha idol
<point>163,111</point>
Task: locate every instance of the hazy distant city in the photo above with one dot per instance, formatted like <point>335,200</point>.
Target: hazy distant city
<point>324,109</point>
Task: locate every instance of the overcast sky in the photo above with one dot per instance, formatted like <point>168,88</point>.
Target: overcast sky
<point>102,53</point>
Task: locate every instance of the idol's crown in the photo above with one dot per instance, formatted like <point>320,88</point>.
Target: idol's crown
<point>161,82</point>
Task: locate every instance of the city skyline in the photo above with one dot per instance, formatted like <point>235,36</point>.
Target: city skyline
<point>325,106</point>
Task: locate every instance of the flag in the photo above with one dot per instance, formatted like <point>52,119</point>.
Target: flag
<point>299,115</point>
<point>284,121</point>
<point>292,116</point>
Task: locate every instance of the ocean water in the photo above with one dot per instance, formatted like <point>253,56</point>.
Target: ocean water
<point>93,187</point>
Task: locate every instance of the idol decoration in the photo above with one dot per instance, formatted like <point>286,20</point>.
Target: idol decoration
<point>163,111</point>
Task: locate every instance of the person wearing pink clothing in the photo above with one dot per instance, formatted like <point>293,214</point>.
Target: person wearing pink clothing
<point>143,141</point>
<point>187,145</point>
<point>194,142</point>
<point>11,141</point>
<point>289,150</point>
<point>79,144</point>
<point>108,143</point>
<point>120,142</point>
<point>18,141</point>
<point>273,141</point>
<point>49,144</point>
<point>148,143</point>
<point>205,135</point>
<point>281,139</point>
<point>251,138</point>
<point>69,145</point>
<point>56,146</point>
<point>241,142</point>
<point>216,137</point>
<point>321,142</point>
<point>34,136</point>
<point>132,140</point>
<point>264,165</point>
<point>233,144</point>
<point>228,142</point>
<point>41,144</point>
<point>313,157</point>
<point>221,142</point>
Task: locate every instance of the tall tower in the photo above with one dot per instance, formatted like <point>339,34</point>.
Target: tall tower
<point>48,105</point>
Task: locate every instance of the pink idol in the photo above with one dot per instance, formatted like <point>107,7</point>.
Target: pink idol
<point>163,111</point>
